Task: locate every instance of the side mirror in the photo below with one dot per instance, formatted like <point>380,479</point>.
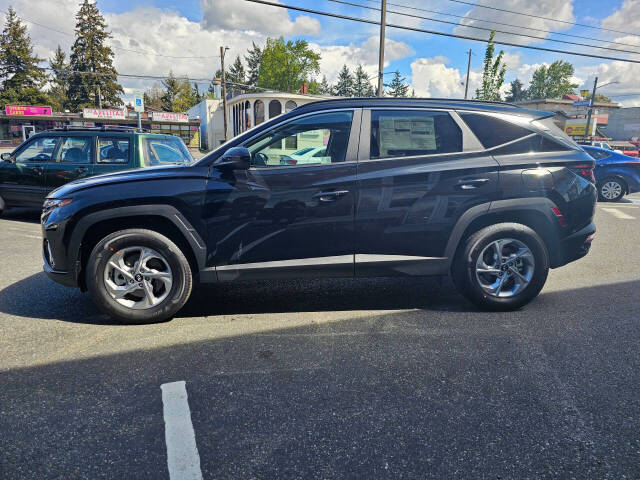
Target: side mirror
<point>237,157</point>
<point>6,157</point>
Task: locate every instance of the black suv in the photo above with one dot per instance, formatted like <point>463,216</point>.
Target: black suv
<point>52,158</point>
<point>492,194</point>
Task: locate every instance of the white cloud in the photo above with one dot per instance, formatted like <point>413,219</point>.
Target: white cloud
<point>559,10</point>
<point>335,56</point>
<point>240,15</point>
<point>430,77</point>
<point>625,19</point>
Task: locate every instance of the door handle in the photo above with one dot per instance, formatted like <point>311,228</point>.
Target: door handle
<point>331,196</point>
<point>81,169</point>
<point>37,171</point>
<point>471,184</point>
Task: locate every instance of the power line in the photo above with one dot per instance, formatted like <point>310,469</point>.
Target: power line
<point>114,46</point>
<point>486,29</point>
<point>435,32</point>
<point>543,18</point>
<point>465,17</point>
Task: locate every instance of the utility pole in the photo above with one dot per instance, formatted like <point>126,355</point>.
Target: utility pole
<point>591,100</point>
<point>383,15</point>
<point>224,95</point>
<point>99,97</point>
<point>466,85</point>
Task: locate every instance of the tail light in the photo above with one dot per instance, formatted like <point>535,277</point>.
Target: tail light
<point>290,161</point>
<point>585,170</point>
<point>561,220</point>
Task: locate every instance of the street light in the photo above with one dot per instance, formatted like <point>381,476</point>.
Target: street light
<point>592,99</point>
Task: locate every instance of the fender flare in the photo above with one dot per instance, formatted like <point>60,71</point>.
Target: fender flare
<point>2,204</point>
<point>538,204</point>
<point>170,213</point>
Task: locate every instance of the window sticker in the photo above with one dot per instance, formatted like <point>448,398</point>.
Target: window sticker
<point>401,133</point>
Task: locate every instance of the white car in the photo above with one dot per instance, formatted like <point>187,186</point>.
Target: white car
<point>306,156</point>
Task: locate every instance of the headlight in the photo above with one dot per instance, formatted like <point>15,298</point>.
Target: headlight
<point>51,203</point>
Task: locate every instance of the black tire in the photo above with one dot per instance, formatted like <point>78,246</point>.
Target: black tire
<point>620,182</point>
<point>182,279</point>
<point>464,266</point>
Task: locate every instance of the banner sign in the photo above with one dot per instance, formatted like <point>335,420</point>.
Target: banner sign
<point>26,111</point>
<point>169,117</point>
<point>107,114</point>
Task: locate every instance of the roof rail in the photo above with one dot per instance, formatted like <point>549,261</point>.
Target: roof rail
<point>104,128</point>
<point>389,99</point>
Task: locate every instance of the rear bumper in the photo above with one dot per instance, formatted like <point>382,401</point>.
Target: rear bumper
<point>577,245</point>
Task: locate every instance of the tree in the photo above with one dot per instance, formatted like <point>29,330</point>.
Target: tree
<point>323,87</point>
<point>90,54</point>
<point>171,90</point>
<point>59,89</point>
<point>552,81</point>
<point>599,98</point>
<point>22,79</point>
<point>153,96</point>
<point>361,85</point>
<point>285,66</point>
<point>517,91</point>
<point>493,72</point>
<point>397,87</point>
<point>253,59</point>
<point>236,73</point>
<point>185,98</point>
<point>344,85</point>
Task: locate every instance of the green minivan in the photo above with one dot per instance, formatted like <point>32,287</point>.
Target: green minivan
<point>52,158</point>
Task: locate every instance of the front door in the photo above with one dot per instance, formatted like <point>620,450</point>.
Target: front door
<point>415,180</point>
<point>289,213</point>
<point>22,180</point>
<point>72,159</point>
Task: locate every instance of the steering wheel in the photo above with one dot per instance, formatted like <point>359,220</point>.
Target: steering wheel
<point>260,159</point>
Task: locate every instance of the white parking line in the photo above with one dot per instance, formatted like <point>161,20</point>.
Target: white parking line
<point>618,214</point>
<point>182,453</point>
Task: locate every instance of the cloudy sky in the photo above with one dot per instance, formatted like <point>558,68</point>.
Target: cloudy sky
<point>151,37</point>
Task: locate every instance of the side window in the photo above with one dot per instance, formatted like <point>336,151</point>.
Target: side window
<point>165,151</point>
<point>532,144</point>
<point>38,150</point>
<point>329,131</point>
<point>402,133</point>
<point>492,131</point>
<point>113,150</point>
<point>75,150</point>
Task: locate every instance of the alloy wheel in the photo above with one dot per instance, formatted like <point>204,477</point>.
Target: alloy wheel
<point>505,267</point>
<point>611,190</point>
<point>138,277</point>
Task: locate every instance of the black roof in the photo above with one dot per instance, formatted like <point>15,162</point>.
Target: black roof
<point>479,105</point>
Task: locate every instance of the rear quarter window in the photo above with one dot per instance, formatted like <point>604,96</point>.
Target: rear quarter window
<point>492,131</point>
<point>164,151</point>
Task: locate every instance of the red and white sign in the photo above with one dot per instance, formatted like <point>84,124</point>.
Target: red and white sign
<point>26,110</point>
<point>169,117</point>
<point>107,114</point>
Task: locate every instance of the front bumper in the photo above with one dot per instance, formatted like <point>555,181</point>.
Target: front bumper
<point>577,245</point>
<point>68,279</point>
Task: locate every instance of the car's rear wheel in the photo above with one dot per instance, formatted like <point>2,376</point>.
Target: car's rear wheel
<point>501,267</point>
<point>138,276</point>
<point>611,190</point>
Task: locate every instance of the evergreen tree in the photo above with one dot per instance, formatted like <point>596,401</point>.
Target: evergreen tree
<point>344,87</point>
<point>58,93</point>
<point>361,85</point>
<point>323,87</point>
<point>492,73</point>
<point>517,92</point>
<point>196,93</point>
<point>91,54</point>
<point>236,73</point>
<point>185,97</point>
<point>171,90</point>
<point>22,79</point>
<point>253,59</point>
<point>397,87</point>
<point>553,81</point>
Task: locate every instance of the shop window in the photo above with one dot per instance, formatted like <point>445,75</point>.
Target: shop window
<point>275,108</point>
<point>258,111</point>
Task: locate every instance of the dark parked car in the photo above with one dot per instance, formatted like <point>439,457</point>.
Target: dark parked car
<point>616,174</point>
<point>492,194</point>
<point>52,158</point>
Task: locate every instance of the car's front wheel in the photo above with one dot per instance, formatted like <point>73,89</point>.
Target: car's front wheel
<point>501,267</point>
<point>138,276</point>
<point>611,190</point>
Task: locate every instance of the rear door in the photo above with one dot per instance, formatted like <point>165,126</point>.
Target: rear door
<point>72,159</point>
<point>114,153</point>
<point>419,170</point>
<point>22,181</point>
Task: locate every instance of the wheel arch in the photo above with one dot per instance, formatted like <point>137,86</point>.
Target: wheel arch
<point>535,213</point>
<point>163,219</point>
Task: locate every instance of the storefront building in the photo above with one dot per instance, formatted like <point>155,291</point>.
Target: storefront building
<point>18,122</point>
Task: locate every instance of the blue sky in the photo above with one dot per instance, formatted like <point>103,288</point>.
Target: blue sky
<point>435,65</point>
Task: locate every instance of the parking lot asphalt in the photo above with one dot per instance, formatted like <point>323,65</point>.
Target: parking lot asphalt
<point>380,378</point>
